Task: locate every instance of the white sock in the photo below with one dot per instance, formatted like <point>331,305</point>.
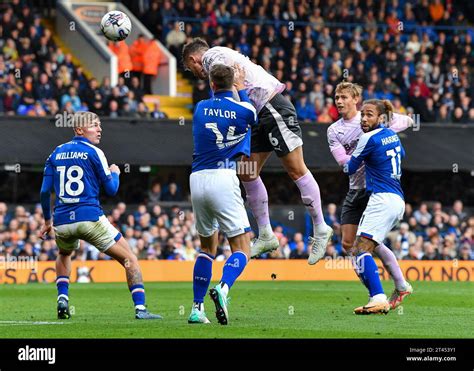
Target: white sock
<point>265,231</point>
<point>379,298</point>
<point>320,228</point>
<point>140,307</point>
<point>224,289</point>
<point>199,306</point>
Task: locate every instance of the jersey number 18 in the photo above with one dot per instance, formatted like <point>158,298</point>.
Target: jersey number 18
<point>66,185</point>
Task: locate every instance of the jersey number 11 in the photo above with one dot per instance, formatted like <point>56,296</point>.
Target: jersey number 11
<point>396,160</point>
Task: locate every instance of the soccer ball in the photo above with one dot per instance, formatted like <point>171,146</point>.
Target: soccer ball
<point>115,25</point>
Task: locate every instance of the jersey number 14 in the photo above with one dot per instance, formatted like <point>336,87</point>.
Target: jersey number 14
<point>220,138</point>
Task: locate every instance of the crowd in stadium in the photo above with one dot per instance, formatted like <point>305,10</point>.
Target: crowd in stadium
<point>428,232</point>
<point>38,79</point>
<point>425,71</point>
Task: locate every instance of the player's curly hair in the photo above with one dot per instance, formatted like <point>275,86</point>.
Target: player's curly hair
<point>384,108</point>
<point>353,88</point>
<point>194,46</point>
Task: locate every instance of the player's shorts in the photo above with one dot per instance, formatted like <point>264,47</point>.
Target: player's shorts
<point>383,212</point>
<point>217,203</point>
<point>101,234</point>
<point>354,206</point>
<point>278,128</point>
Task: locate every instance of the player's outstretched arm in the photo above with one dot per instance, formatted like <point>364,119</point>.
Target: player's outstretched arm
<point>400,122</point>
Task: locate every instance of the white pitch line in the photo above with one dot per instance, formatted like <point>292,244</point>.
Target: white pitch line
<point>19,323</point>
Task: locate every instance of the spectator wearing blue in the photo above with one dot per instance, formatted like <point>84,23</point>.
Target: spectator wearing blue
<point>244,46</point>
<point>453,226</point>
<point>297,238</point>
<point>142,210</point>
<point>331,217</point>
<point>157,113</point>
<point>325,38</point>
<point>321,69</point>
<point>369,93</point>
<point>73,98</point>
<point>299,252</point>
<point>44,91</point>
<point>386,94</point>
<point>173,193</point>
<point>305,110</point>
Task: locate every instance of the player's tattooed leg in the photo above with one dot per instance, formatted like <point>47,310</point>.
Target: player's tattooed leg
<point>134,273</point>
<point>362,245</point>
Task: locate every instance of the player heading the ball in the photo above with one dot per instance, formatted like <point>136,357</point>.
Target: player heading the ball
<point>278,131</point>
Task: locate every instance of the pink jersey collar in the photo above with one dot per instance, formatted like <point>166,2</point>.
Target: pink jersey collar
<point>353,121</point>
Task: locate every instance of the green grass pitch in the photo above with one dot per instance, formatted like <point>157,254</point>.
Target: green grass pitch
<point>274,309</point>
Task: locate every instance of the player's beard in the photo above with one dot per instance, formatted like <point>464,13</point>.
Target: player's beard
<point>203,74</point>
<point>366,128</point>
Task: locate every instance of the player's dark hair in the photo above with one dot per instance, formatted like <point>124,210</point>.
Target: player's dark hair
<point>195,45</point>
<point>384,108</point>
<point>222,76</point>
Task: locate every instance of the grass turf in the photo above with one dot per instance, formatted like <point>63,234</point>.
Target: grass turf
<point>274,309</point>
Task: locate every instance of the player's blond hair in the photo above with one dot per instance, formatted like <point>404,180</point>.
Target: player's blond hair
<point>354,89</point>
<point>83,119</point>
<point>384,108</point>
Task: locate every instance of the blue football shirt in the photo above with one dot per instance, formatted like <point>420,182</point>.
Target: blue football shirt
<point>221,130</point>
<point>382,153</point>
<point>76,170</point>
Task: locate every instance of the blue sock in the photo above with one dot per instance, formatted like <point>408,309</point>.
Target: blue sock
<point>62,283</point>
<point>138,295</point>
<point>356,270</point>
<point>233,267</point>
<point>369,273</point>
<point>202,276</point>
